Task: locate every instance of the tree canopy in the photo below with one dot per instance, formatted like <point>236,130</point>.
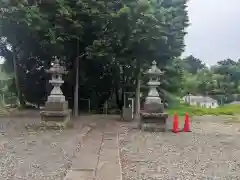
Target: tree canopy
<point>221,81</point>
<point>114,43</point>
<point>116,40</point>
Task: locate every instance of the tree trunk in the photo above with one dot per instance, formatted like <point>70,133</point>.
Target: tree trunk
<point>16,77</point>
<point>117,97</point>
<point>120,96</point>
<point>137,96</point>
<point>76,110</point>
<point>120,102</point>
<point>123,82</point>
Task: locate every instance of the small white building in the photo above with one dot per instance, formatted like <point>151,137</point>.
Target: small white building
<point>201,101</point>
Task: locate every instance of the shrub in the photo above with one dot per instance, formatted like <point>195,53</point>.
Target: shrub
<point>196,111</point>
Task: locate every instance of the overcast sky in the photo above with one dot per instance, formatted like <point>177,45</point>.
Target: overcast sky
<point>214,33</point>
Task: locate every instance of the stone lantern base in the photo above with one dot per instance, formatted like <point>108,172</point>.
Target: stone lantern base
<point>56,115</point>
<point>153,117</point>
<point>155,122</point>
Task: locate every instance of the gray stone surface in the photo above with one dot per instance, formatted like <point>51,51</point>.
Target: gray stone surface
<point>98,157</point>
<point>153,107</point>
<point>79,175</point>
<point>211,151</point>
<point>56,106</point>
<point>108,165</point>
<point>87,157</point>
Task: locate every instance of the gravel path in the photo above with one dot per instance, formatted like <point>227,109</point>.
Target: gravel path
<point>34,155</point>
<point>43,154</point>
<point>211,151</point>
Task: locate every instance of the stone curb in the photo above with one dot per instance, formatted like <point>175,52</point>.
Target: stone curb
<point>119,158</point>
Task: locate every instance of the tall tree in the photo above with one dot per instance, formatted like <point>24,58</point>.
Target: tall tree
<point>192,64</point>
<point>119,39</point>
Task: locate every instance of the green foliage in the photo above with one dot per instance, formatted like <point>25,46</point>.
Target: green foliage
<point>181,109</point>
<point>116,41</point>
<point>3,111</point>
<point>221,81</point>
<point>192,64</point>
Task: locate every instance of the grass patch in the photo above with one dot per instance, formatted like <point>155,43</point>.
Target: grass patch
<point>3,111</point>
<point>181,109</point>
<point>232,120</point>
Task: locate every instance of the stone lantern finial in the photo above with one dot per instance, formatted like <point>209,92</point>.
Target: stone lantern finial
<point>56,60</point>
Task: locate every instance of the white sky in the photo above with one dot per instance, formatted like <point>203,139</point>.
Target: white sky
<point>214,33</point>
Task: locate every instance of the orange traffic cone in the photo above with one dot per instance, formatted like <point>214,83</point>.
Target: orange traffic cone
<point>186,124</point>
<point>175,128</point>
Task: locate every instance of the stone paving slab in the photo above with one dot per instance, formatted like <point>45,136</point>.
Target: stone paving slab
<point>87,157</point>
<point>98,158</point>
<point>85,162</point>
<point>109,165</point>
<point>79,175</point>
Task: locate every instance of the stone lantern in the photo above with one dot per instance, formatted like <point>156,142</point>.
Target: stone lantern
<point>154,76</point>
<point>56,112</point>
<point>153,116</point>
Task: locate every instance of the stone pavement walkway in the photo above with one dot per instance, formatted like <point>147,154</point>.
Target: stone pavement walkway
<point>98,157</point>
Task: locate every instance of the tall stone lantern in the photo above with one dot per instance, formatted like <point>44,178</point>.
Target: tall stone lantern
<point>56,112</point>
<point>153,116</point>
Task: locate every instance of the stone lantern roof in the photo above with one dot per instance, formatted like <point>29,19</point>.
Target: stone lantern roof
<point>57,68</point>
<point>154,70</point>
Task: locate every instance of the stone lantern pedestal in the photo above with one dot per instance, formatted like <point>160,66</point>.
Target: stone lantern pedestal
<point>56,113</point>
<point>153,117</point>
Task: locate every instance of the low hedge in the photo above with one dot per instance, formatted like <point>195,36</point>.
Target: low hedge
<point>196,111</point>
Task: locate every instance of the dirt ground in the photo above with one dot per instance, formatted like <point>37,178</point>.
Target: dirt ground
<point>210,151</point>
